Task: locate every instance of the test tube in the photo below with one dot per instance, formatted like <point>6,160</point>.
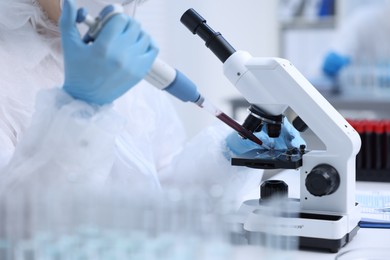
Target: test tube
<point>387,145</point>
<point>359,127</point>
<point>379,145</point>
<point>362,152</point>
<point>368,145</point>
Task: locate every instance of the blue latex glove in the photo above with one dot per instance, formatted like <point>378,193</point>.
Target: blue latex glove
<point>333,63</point>
<point>289,137</point>
<point>105,69</point>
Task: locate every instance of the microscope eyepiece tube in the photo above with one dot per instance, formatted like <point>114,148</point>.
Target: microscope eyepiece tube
<point>214,40</point>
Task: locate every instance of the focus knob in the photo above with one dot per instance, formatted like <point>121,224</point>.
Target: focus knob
<point>322,180</point>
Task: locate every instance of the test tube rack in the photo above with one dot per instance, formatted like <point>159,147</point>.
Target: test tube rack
<point>373,159</point>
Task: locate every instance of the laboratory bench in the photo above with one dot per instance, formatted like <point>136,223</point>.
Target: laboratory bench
<point>365,237</point>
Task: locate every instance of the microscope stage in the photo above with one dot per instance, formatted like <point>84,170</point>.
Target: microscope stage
<point>269,159</point>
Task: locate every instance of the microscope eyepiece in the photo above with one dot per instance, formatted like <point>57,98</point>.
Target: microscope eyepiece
<point>214,40</point>
<point>192,20</point>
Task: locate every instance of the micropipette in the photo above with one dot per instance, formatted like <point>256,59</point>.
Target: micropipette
<point>163,76</point>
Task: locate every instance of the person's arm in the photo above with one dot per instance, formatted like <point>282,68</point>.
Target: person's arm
<point>102,71</point>
<point>204,164</point>
<point>67,140</point>
<point>8,136</point>
<point>73,132</point>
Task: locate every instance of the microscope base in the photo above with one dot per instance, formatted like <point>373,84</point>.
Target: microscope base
<point>303,243</point>
<point>306,230</point>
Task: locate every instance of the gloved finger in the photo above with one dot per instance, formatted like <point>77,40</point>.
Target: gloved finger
<point>292,136</point>
<point>69,32</point>
<point>287,131</point>
<point>152,50</point>
<point>239,145</point>
<point>153,45</point>
<point>297,141</point>
<point>132,32</point>
<point>143,43</point>
<point>112,29</point>
<point>151,53</point>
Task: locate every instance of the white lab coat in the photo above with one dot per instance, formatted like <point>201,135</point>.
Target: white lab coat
<point>136,143</point>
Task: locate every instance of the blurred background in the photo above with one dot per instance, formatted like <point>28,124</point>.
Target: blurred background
<point>302,31</point>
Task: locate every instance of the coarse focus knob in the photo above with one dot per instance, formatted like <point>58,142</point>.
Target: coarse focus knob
<point>273,188</point>
<point>322,180</point>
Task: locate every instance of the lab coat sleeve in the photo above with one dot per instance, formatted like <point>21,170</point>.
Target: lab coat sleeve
<point>152,136</point>
<point>6,144</point>
<point>14,116</point>
<point>170,134</point>
<point>7,141</point>
<point>205,162</point>
<point>68,141</point>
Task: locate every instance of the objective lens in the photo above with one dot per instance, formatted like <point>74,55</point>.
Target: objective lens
<point>274,130</point>
<point>257,118</point>
<point>253,124</point>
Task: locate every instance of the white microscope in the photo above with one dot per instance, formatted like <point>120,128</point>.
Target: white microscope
<point>328,215</point>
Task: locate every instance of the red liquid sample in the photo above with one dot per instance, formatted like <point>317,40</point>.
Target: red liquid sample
<point>239,128</point>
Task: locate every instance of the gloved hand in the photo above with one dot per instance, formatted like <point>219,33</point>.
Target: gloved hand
<point>333,63</point>
<point>289,137</point>
<point>105,69</point>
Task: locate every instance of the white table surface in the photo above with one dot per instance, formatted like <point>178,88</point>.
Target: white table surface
<point>365,238</point>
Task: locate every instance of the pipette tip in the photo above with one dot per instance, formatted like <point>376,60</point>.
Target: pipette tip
<point>255,139</point>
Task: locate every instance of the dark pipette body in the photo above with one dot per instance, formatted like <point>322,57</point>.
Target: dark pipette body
<point>208,106</point>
